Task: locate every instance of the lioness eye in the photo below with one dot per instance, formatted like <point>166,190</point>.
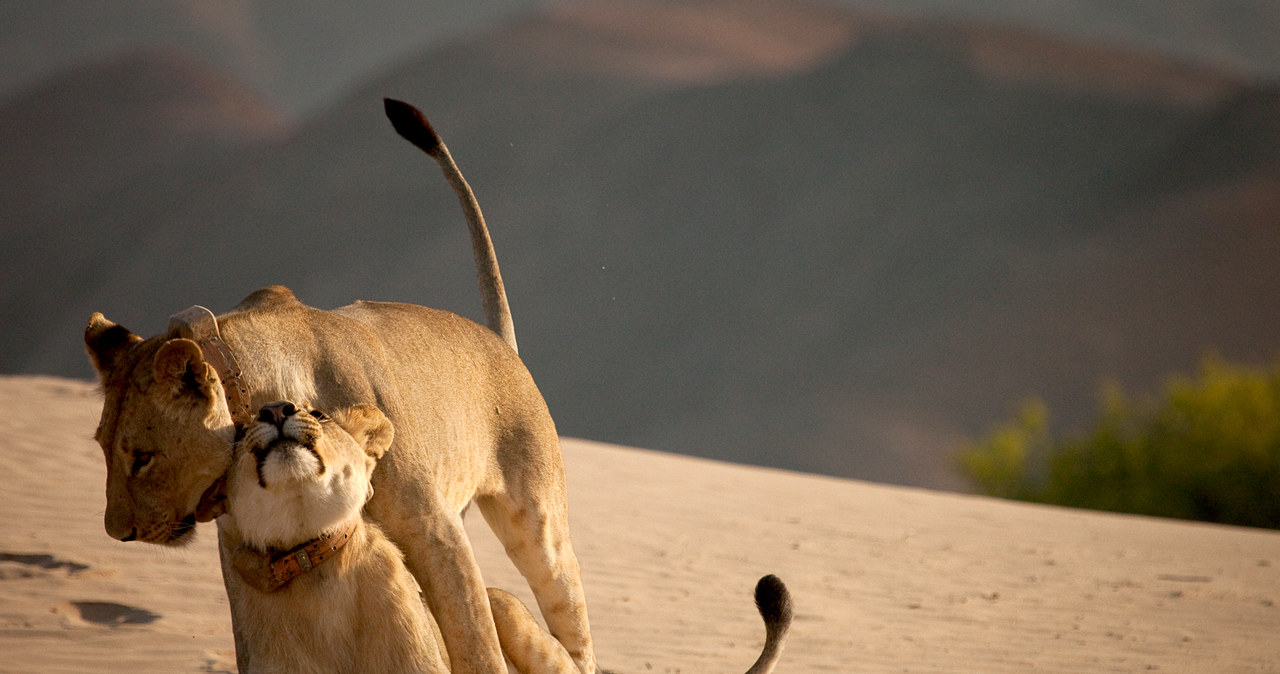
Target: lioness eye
<point>320,416</point>
<point>141,459</point>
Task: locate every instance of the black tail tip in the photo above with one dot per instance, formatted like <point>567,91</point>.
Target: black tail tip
<point>773,600</point>
<point>411,124</point>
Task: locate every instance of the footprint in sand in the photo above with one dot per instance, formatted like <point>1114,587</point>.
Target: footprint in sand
<point>112,614</point>
<point>29,563</point>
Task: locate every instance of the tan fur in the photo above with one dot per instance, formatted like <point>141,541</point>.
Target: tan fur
<point>360,610</point>
<point>470,425</point>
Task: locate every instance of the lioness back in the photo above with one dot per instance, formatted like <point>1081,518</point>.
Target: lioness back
<point>407,358</point>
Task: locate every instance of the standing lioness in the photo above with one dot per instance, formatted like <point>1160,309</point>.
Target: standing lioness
<point>470,425</point>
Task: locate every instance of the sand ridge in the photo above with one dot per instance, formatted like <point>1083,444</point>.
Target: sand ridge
<point>884,578</point>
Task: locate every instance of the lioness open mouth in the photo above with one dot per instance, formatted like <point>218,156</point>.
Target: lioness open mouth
<point>213,502</point>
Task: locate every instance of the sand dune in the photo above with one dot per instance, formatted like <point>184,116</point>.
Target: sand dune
<point>884,578</point>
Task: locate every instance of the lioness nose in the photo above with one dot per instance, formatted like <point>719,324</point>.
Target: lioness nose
<point>277,412</point>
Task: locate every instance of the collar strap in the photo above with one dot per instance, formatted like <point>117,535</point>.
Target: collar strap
<point>201,326</point>
<point>286,566</point>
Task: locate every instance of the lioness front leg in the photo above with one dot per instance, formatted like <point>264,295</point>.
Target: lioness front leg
<point>439,555</point>
<point>234,586</point>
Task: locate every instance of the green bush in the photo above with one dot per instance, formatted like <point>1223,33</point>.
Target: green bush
<point>1207,449</point>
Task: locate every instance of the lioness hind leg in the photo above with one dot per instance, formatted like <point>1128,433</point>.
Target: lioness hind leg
<point>535,534</point>
<point>529,648</point>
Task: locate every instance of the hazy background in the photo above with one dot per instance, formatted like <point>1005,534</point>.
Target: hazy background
<point>837,237</point>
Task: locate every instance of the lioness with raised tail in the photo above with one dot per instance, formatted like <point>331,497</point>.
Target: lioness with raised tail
<point>470,425</point>
<point>329,591</point>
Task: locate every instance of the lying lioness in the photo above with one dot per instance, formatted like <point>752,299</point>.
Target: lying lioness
<point>331,593</point>
<point>470,426</point>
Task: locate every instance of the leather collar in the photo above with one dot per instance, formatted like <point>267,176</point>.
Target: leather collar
<point>289,565</point>
<point>268,571</point>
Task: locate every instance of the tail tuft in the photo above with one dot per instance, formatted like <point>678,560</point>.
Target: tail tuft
<point>773,601</point>
<point>412,125</point>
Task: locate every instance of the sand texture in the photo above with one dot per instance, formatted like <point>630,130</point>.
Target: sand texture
<point>885,579</point>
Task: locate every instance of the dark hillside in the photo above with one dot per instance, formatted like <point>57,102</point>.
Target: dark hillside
<point>88,157</point>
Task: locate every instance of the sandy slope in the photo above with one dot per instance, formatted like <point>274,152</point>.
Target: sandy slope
<point>885,578</point>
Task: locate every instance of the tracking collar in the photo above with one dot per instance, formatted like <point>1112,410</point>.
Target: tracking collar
<point>200,326</point>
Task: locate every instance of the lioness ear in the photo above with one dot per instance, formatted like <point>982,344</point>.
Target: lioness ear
<point>106,342</point>
<point>180,369</point>
<point>369,426</point>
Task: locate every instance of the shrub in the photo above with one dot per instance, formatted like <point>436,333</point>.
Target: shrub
<point>1207,449</point>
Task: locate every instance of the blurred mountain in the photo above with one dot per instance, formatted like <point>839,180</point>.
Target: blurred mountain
<point>1239,35</point>
<point>299,54</point>
<point>93,131</point>
<point>88,155</point>
<point>766,232</point>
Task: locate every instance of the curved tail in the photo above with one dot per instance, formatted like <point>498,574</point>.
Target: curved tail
<point>774,603</point>
<point>410,123</point>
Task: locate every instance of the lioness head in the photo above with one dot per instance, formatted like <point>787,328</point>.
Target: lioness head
<point>165,430</point>
<point>298,473</point>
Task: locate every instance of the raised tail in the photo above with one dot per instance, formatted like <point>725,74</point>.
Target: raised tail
<point>410,123</point>
<point>774,603</point>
